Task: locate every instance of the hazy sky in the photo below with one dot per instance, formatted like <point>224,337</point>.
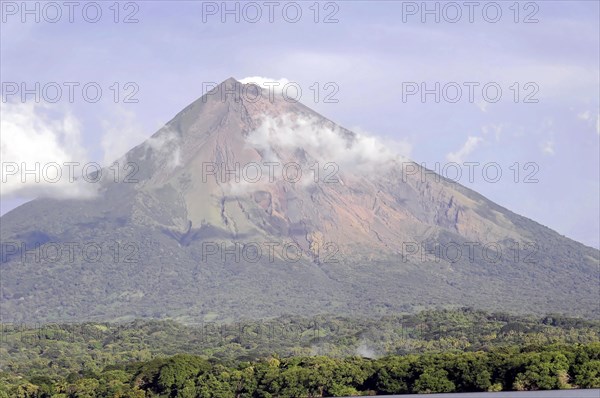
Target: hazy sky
<point>542,132</point>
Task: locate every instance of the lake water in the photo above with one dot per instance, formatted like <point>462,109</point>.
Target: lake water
<point>590,393</point>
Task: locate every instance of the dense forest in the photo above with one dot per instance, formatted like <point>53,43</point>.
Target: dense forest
<point>433,351</point>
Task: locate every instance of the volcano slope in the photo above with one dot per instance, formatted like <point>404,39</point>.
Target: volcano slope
<point>247,205</point>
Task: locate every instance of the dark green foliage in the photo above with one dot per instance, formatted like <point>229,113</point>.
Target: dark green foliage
<point>434,351</point>
<point>188,376</point>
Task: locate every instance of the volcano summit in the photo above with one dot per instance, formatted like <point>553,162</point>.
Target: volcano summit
<point>254,206</point>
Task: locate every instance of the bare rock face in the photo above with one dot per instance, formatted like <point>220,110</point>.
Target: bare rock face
<point>249,206</point>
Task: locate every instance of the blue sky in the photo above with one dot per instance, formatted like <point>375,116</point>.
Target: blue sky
<point>370,57</point>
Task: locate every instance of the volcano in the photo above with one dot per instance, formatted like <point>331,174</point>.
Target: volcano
<point>249,205</point>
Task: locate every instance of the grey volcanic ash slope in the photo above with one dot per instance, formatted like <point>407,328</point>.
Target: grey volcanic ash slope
<point>355,234</point>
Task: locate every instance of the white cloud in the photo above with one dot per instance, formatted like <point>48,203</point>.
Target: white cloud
<point>36,143</point>
<point>495,129</point>
<point>121,133</point>
<point>400,147</point>
<point>482,105</point>
<point>267,83</point>
<point>361,152</point>
<point>467,148</point>
<point>548,147</point>
<point>166,146</point>
<point>279,140</point>
<point>585,115</point>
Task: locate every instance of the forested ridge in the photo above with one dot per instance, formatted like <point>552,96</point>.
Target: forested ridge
<point>433,351</point>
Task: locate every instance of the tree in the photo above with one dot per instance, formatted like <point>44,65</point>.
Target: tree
<point>433,380</point>
<point>588,374</point>
<point>543,371</point>
<point>393,374</point>
<point>85,388</point>
<point>26,390</point>
<point>209,385</point>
